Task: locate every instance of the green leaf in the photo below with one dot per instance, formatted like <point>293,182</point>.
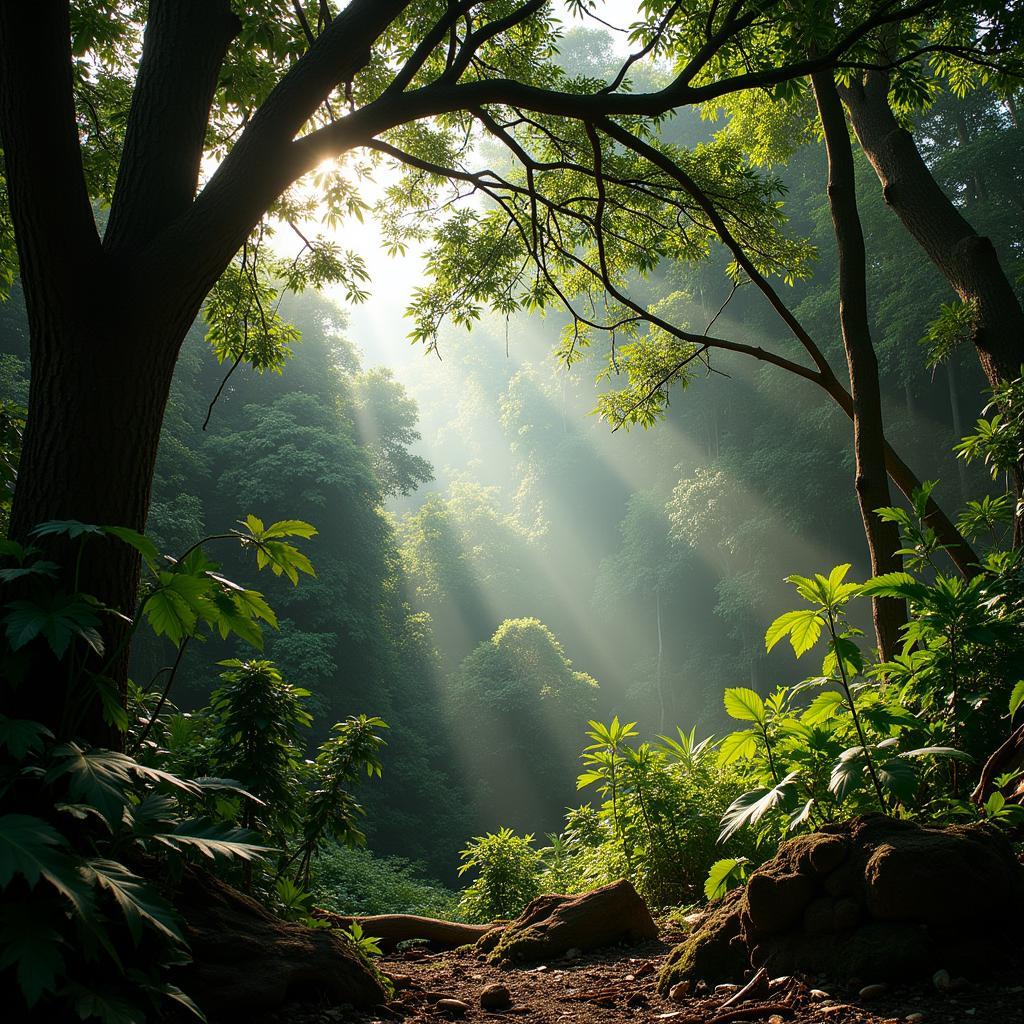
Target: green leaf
<point>824,707</point>
<point>737,746</point>
<point>1016,698</point>
<point>283,559</point>
<point>71,528</point>
<point>751,807</point>
<point>20,736</point>
<point>30,942</point>
<point>803,627</point>
<point>33,848</point>
<point>724,875</point>
<point>289,528</point>
<point>58,619</point>
<point>895,584</point>
<point>213,840</point>
<point>744,704</point>
<point>141,905</point>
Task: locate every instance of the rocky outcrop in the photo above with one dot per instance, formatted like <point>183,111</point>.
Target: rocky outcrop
<point>873,898</point>
<point>245,959</point>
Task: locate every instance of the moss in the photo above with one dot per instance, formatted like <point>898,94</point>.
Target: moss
<point>714,952</point>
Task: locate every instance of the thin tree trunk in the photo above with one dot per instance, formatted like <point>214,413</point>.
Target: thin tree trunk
<point>967,260</point>
<point>661,688</point>
<point>872,482</point>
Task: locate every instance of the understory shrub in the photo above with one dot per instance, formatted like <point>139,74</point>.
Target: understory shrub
<point>354,881</point>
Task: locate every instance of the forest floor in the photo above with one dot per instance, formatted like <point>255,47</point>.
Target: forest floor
<point>619,985</point>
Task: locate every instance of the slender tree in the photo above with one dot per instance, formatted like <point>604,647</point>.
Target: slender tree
<point>871,484</point>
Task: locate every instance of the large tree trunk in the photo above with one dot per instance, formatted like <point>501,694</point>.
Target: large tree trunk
<point>967,260</point>
<point>97,398</point>
<point>872,482</point>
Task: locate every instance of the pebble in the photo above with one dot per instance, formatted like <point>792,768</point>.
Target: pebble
<point>495,997</point>
<point>915,1018</point>
<point>872,991</point>
<point>726,989</point>
<point>819,993</point>
<point>541,969</point>
<point>941,980</point>
<point>456,1007</point>
<point>679,991</point>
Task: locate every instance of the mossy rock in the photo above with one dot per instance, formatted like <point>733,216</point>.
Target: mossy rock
<point>714,951</point>
<point>872,898</point>
<point>552,925</point>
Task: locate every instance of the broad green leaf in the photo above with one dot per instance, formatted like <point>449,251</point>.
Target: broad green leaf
<point>824,707</point>
<point>1016,698</point>
<point>737,746</point>
<point>33,849</point>
<point>744,704</point>
<point>140,903</point>
<point>213,840</point>
<point>289,528</point>
<point>895,584</point>
<point>67,527</point>
<point>803,627</point>
<point>724,875</point>
<point>58,619</point>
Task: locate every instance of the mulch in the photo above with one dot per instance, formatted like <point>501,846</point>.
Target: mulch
<point>619,985</point>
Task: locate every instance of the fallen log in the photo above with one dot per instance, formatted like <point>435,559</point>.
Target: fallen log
<point>395,928</point>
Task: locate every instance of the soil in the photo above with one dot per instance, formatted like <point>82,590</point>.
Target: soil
<point>619,985</point>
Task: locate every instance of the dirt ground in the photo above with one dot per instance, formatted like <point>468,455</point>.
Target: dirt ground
<point>619,985</point>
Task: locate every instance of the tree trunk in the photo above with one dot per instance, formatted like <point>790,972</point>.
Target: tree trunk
<point>97,397</point>
<point>967,260</point>
<point>661,687</point>
<point>872,482</point>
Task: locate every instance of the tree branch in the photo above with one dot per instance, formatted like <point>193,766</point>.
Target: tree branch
<point>183,49</point>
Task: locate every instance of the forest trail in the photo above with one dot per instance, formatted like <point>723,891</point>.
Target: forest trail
<point>619,985</point>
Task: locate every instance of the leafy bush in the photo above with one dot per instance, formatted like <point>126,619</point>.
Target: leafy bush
<point>508,875</point>
<point>355,881</point>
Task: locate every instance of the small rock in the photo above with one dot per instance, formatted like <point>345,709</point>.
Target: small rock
<point>678,992</point>
<point>872,992</point>
<point>941,980</point>
<point>495,997</point>
<point>456,1007</point>
<point>541,969</point>
<point>630,977</point>
<point>914,1018</point>
<point>775,1019</point>
<point>505,965</point>
<point>726,989</point>
<point>819,993</point>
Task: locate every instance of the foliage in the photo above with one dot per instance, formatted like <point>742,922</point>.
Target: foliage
<point>354,881</point>
<point>507,879</point>
<point>525,702</point>
<point>84,929</point>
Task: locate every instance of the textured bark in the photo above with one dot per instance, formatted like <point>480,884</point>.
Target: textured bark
<point>967,260</point>
<point>872,483</point>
